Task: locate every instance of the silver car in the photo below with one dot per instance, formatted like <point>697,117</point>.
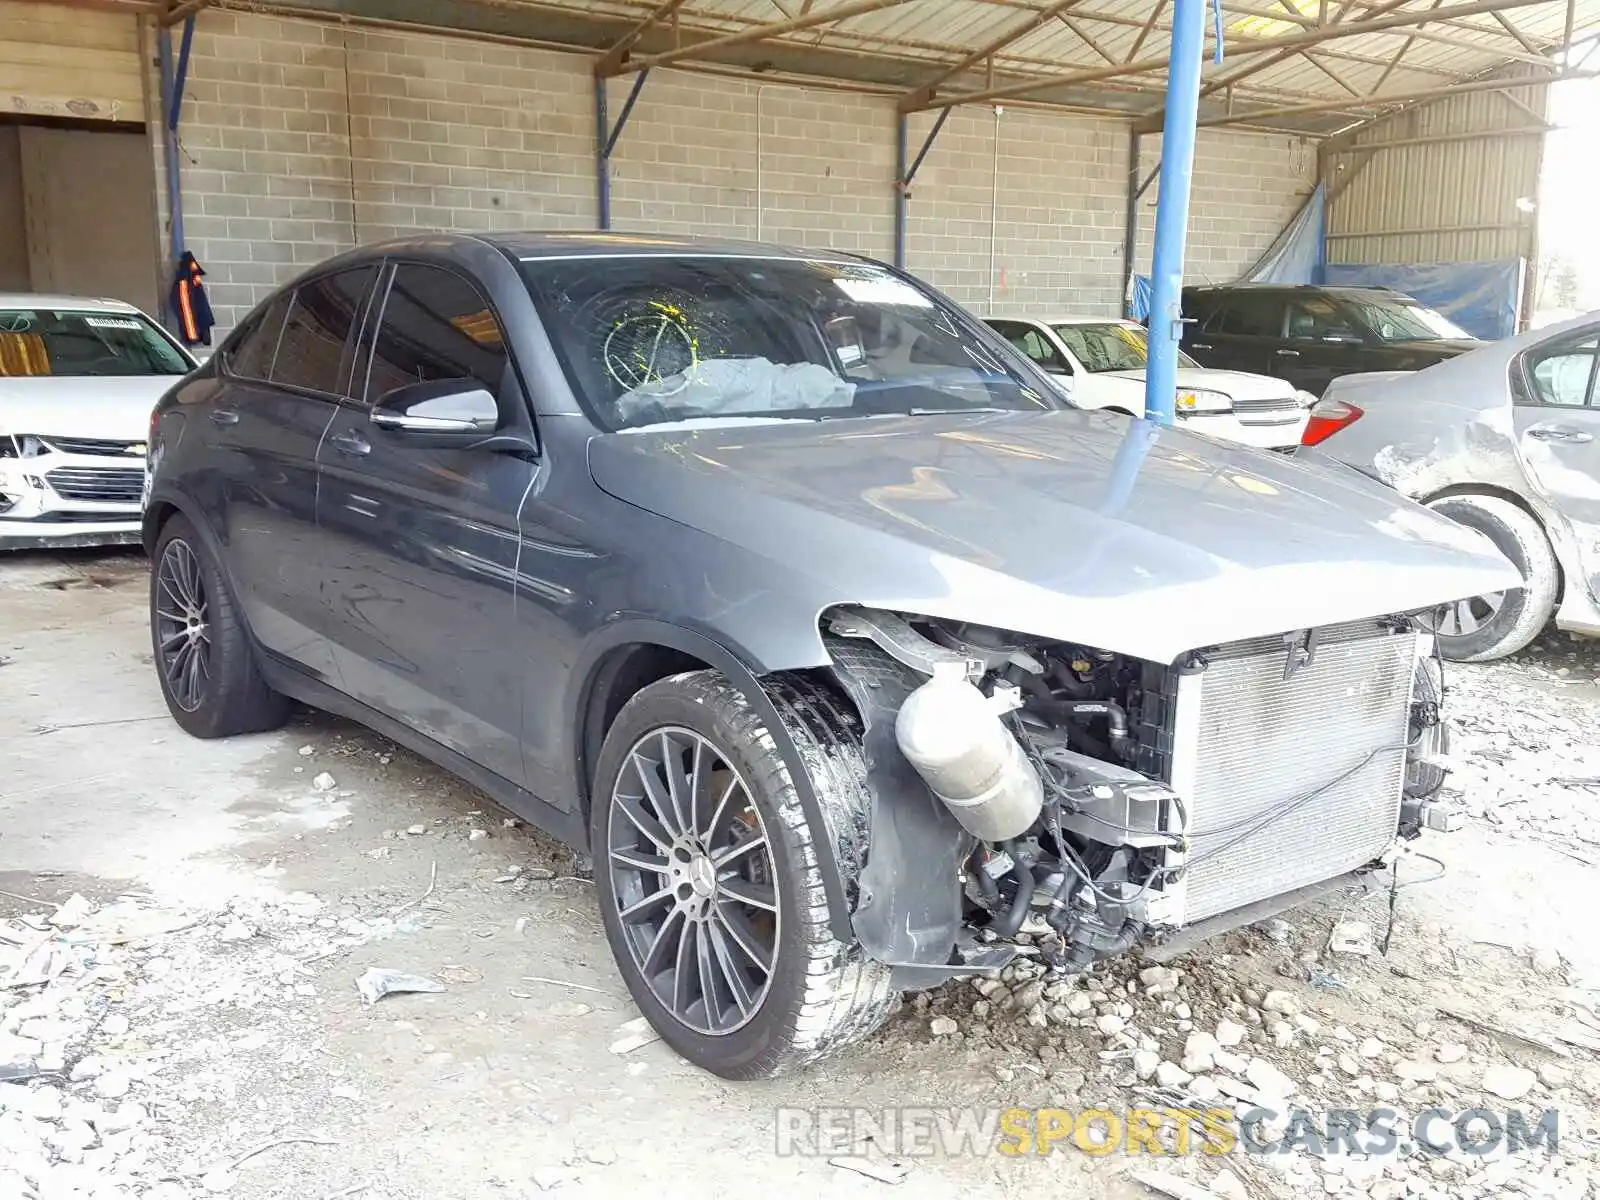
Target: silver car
<point>78,379</point>
<point>1503,440</point>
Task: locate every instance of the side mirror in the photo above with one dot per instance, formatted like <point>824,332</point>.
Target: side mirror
<point>439,412</point>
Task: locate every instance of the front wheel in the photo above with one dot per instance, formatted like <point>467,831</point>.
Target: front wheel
<point>708,877</point>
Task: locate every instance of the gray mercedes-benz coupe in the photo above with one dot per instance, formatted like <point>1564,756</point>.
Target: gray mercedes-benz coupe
<point>794,595</point>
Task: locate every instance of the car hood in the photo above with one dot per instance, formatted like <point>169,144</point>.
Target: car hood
<point>1077,526</point>
<point>1238,384</point>
<point>112,407</point>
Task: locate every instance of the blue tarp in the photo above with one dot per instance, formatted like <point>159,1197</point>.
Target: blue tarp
<point>1296,255</point>
<point>1139,303</point>
<point>1484,298</point>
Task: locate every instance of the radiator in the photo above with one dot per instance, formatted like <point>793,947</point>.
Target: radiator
<point>1263,739</point>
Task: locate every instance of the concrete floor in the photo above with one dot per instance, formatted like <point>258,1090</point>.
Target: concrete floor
<point>472,1093</point>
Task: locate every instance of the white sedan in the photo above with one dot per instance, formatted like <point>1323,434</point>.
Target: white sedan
<point>1102,363</point>
<point>78,379</point>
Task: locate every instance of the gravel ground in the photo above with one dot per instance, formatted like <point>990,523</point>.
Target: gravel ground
<point>184,1020</point>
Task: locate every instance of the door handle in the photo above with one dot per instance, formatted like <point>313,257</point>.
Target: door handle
<point>1285,353</point>
<point>224,416</point>
<point>1199,345</point>
<point>351,443</point>
<point>1560,433</point>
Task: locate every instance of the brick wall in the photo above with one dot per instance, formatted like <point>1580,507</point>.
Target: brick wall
<point>301,139</point>
<point>1247,187</point>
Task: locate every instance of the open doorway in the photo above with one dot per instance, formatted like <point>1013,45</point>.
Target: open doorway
<point>77,211</point>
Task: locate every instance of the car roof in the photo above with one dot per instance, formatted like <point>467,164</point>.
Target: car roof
<point>1063,319</point>
<point>1313,288</point>
<point>72,303</point>
<point>533,244</point>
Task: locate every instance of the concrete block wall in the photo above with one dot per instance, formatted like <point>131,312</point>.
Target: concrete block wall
<point>1247,187</point>
<point>1036,226</point>
<point>301,139</point>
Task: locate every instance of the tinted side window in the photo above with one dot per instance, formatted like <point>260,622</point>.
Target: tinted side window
<point>1032,343</point>
<point>316,346</point>
<point>1251,314</point>
<point>435,326</point>
<point>1316,318</point>
<point>251,356</point>
<point>1564,374</point>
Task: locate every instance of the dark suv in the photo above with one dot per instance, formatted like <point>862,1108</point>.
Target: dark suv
<point>1312,335</point>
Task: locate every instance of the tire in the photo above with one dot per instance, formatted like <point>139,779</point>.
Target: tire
<point>229,696</point>
<point>820,994</point>
<point>1522,612</point>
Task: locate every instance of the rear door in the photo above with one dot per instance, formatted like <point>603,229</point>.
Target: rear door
<point>423,542</point>
<point>1322,342</point>
<point>1241,333</point>
<point>280,388</point>
<point>1557,419</point>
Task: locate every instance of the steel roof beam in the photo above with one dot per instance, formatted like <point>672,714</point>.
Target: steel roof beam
<point>990,48</point>
<point>612,58</point>
<point>1293,41</point>
<point>756,33</point>
<point>1343,105</point>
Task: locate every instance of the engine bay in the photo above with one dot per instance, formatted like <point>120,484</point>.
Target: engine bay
<point>1050,755</point>
<point>1069,768</point>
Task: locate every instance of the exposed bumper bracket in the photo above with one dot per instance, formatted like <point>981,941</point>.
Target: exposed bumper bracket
<point>1356,885</point>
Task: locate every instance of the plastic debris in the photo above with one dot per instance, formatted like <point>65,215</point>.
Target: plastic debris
<point>324,782</point>
<point>377,982</point>
<point>635,1033</point>
<point>884,1170</point>
<point>1352,937</point>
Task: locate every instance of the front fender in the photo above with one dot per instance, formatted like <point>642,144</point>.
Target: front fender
<point>734,666</point>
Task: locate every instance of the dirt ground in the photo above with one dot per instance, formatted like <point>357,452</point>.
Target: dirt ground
<point>229,1020</point>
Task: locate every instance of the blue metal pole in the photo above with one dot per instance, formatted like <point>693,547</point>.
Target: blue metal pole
<point>1172,210</point>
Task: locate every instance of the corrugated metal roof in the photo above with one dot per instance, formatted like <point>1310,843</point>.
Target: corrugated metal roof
<point>1331,72</point>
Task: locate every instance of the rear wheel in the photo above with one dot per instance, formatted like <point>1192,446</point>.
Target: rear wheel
<point>1492,626</point>
<point>203,655</point>
<point>708,877</point>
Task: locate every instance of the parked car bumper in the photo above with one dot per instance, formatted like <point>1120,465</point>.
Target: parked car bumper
<point>1263,435</point>
<point>55,499</point>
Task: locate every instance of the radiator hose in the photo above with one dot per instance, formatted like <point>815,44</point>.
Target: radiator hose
<point>1007,924</point>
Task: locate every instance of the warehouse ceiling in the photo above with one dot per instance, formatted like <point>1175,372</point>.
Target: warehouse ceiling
<point>1312,66</point>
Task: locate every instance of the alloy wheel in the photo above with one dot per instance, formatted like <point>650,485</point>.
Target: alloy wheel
<point>1469,615</point>
<point>693,880</point>
<point>183,630</point>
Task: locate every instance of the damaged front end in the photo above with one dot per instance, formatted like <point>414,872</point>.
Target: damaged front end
<point>1097,801</point>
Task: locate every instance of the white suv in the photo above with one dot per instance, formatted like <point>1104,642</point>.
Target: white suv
<point>1102,363</point>
<point>78,379</point>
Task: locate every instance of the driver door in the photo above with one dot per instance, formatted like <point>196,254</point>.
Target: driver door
<point>421,543</point>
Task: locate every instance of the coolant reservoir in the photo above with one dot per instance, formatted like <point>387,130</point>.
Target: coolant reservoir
<point>955,739</point>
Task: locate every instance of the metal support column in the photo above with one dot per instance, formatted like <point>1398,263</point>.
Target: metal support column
<point>1172,209</point>
<point>173,78</point>
<point>905,174</point>
<point>1130,223</point>
<point>605,141</point>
